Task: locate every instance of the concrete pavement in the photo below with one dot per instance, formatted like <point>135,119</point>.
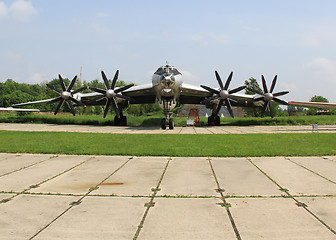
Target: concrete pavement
<point>120,197</point>
<point>158,130</point>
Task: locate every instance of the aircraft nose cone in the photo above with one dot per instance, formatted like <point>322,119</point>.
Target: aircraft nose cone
<point>110,93</point>
<point>65,95</point>
<point>224,94</point>
<point>268,96</point>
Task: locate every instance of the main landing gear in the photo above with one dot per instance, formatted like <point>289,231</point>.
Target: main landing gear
<point>120,121</point>
<point>213,120</point>
<point>169,122</point>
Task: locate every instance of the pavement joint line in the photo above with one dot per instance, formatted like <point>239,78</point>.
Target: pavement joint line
<point>195,132</point>
<point>33,164</point>
<point>75,203</point>
<point>180,130</point>
<point>168,196</point>
<point>287,158</point>
<point>44,181</point>
<point>151,203</point>
<point>225,203</point>
<point>297,202</point>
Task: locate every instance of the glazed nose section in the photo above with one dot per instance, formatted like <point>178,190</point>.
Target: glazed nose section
<point>167,80</point>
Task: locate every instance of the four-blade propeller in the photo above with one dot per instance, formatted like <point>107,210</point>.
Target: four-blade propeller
<point>223,95</point>
<point>268,96</point>
<point>110,94</point>
<point>66,95</point>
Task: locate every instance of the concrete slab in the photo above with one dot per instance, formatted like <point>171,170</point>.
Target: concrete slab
<point>15,162</point>
<point>99,218</point>
<point>25,215</point>
<point>324,167</point>
<point>158,130</point>
<point>202,130</point>
<point>293,177</point>
<point>324,208</point>
<point>237,176</point>
<point>187,130</point>
<point>275,219</point>
<point>18,181</point>
<point>189,177</point>
<point>187,219</point>
<point>82,178</point>
<point>4,156</point>
<point>137,177</point>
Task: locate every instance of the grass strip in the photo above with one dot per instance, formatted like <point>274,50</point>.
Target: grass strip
<point>203,145</point>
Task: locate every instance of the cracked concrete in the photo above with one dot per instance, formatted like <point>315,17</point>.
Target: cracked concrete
<point>164,198</point>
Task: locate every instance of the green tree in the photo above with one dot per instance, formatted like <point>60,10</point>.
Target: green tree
<point>315,98</point>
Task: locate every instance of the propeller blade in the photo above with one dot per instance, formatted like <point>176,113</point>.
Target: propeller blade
<point>280,101</point>
<point>121,89</point>
<point>79,90</point>
<point>115,107</point>
<point>210,89</point>
<point>219,80</point>
<point>72,83</point>
<point>228,81</point>
<point>62,82</point>
<point>237,89</point>
<point>107,107</point>
<point>264,84</point>
<point>273,83</point>
<point>264,109</point>
<point>59,106</point>
<point>280,93</point>
<point>218,107</point>
<point>72,110</point>
<point>107,85</point>
<point>56,100</point>
<point>270,109</point>
<point>54,89</point>
<point>228,106</point>
<point>114,82</point>
<point>76,101</point>
<point>124,97</point>
<point>255,91</point>
<point>98,90</point>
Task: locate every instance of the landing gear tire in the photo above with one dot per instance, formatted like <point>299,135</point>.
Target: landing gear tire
<point>211,121</point>
<point>116,121</point>
<point>163,123</point>
<point>171,123</point>
<point>217,121</point>
<point>123,121</point>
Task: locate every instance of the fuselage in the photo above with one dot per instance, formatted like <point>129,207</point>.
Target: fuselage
<point>167,83</point>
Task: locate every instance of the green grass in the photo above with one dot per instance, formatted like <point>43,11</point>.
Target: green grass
<point>226,145</point>
<point>155,120</point>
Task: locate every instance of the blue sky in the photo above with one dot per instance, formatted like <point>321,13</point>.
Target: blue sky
<point>294,39</point>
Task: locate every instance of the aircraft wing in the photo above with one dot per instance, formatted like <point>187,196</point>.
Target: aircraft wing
<point>10,109</point>
<point>51,100</point>
<point>191,94</point>
<point>313,104</point>
<point>141,94</point>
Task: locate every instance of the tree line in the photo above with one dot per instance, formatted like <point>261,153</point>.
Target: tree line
<point>12,92</point>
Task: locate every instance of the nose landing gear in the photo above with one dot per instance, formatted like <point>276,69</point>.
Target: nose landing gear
<point>167,122</point>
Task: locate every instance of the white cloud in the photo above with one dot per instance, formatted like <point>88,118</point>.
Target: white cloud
<point>323,68</point>
<point>37,78</point>
<point>3,10</point>
<point>189,77</point>
<point>22,10</point>
<point>209,38</point>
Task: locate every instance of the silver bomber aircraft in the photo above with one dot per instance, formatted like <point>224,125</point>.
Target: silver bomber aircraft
<point>167,88</point>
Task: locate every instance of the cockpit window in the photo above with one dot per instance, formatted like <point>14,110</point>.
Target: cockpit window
<point>167,69</point>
